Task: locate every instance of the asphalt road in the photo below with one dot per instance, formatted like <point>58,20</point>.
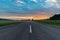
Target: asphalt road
<point>29,31</point>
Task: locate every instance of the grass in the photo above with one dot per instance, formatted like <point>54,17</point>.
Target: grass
<point>8,23</point>
<point>53,22</point>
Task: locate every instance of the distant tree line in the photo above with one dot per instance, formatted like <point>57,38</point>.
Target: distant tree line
<point>2,19</point>
<point>55,17</point>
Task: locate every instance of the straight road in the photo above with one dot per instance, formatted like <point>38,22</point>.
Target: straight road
<point>45,32</point>
<point>30,31</point>
<point>15,32</point>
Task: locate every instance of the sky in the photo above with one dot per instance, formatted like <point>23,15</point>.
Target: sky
<point>40,9</point>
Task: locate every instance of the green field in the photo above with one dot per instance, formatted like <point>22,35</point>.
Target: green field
<point>8,23</point>
<point>53,22</point>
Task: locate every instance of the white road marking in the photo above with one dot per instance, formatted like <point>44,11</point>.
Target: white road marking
<point>30,29</point>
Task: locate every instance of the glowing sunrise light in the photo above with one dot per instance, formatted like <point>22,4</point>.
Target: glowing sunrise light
<point>51,1</point>
<point>34,17</point>
<point>41,17</point>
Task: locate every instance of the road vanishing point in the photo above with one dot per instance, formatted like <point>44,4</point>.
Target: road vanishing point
<point>30,31</point>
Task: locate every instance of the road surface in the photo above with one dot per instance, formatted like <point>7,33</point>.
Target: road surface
<point>29,31</point>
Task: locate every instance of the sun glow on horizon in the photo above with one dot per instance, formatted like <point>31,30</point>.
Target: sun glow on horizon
<point>34,17</point>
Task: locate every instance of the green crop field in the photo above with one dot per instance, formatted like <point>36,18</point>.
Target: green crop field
<point>53,22</point>
<point>8,23</point>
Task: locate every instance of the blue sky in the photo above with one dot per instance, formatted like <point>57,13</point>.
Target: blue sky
<point>18,7</point>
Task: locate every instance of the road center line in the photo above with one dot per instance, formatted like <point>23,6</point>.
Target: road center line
<point>30,29</point>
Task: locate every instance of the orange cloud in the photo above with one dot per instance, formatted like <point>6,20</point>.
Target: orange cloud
<point>41,17</point>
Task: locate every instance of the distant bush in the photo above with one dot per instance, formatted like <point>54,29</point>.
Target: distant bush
<point>55,17</point>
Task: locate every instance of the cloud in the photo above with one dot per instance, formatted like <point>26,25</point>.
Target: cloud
<point>28,6</point>
<point>51,1</point>
<point>18,1</point>
<point>34,1</point>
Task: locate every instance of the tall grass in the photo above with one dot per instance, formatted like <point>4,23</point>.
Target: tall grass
<point>8,23</point>
<point>53,22</point>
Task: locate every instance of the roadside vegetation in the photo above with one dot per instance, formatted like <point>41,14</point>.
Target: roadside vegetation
<point>53,22</point>
<point>8,23</point>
